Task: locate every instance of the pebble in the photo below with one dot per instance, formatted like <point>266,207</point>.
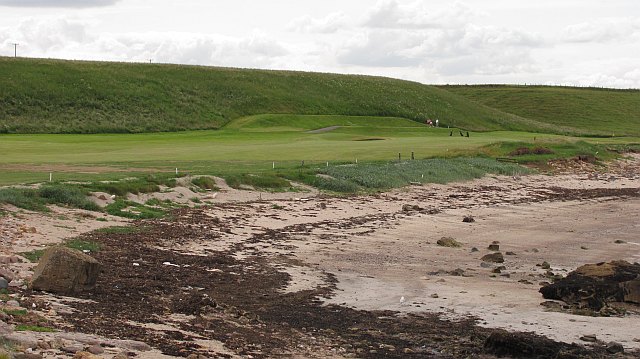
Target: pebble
<point>95,349</point>
<point>4,284</point>
<point>613,348</point>
<point>588,338</point>
<point>27,356</point>
<point>6,274</point>
<point>85,355</point>
<point>73,348</point>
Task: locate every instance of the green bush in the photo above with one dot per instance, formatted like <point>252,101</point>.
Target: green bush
<point>205,182</point>
<point>25,198</point>
<point>262,181</point>
<point>67,195</point>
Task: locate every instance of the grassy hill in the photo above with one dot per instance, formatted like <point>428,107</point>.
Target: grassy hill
<point>581,111</point>
<point>54,96</point>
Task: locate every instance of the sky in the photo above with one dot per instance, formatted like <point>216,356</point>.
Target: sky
<point>554,42</point>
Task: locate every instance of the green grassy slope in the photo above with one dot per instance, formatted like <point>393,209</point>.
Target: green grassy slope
<point>581,111</point>
<point>53,96</point>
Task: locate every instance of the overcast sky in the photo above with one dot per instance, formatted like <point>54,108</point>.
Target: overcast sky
<point>568,42</point>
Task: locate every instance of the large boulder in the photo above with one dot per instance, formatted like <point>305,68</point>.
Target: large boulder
<point>65,271</point>
<point>594,286</point>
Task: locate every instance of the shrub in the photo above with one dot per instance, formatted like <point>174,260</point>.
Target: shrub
<point>205,183</point>
<point>67,195</point>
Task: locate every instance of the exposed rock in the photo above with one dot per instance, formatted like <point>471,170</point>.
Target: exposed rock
<point>494,247</point>
<point>631,290</point>
<point>85,355</point>
<point>589,338</point>
<point>594,286</point>
<point>121,355</point>
<point>65,270</point>
<point>134,345</point>
<point>73,348</point>
<point>545,265</point>
<point>468,219</point>
<point>410,207</point>
<point>613,348</point>
<point>493,258</point>
<point>27,356</point>
<point>6,274</point>
<point>23,339</point>
<point>449,242</point>
<point>521,345</point>
<point>95,349</point>
<point>474,249</point>
<point>5,328</point>
<point>619,241</point>
<point>4,284</point>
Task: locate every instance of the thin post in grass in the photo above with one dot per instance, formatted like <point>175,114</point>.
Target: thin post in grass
<point>399,157</point>
<point>412,157</point>
<point>273,165</point>
<point>176,171</point>
<point>327,163</point>
<point>50,176</point>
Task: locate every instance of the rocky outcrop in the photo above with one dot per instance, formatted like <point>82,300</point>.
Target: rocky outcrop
<point>65,271</point>
<point>594,286</point>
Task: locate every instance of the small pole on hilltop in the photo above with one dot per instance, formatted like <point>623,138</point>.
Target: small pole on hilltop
<point>15,49</point>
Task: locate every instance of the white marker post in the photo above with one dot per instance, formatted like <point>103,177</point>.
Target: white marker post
<point>50,176</point>
<point>273,165</point>
<point>176,171</point>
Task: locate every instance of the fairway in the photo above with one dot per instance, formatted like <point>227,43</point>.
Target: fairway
<point>253,143</point>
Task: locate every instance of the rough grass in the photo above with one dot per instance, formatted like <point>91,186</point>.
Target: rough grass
<point>54,96</point>
<point>33,328</point>
<point>147,184</point>
<point>542,152</point>
<point>266,181</point>
<point>79,244</point>
<point>574,111</point>
<point>133,210</point>
<point>38,199</point>
<point>377,176</point>
<point>204,182</point>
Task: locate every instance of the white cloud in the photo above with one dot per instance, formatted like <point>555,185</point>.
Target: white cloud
<point>603,30</point>
<point>57,3</point>
<point>327,25</point>
<point>72,38</point>
<point>432,42</point>
<point>392,14</point>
